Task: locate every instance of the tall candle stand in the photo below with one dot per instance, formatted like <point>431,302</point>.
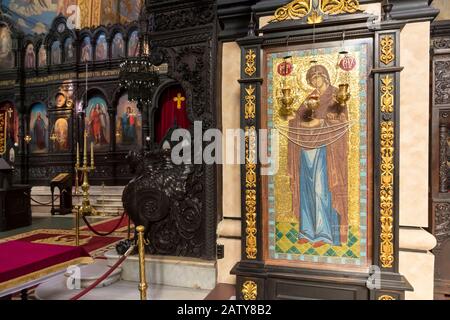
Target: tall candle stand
<point>86,208</point>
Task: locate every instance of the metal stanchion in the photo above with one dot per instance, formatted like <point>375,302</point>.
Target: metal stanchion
<point>77,226</point>
<point>141,246</point>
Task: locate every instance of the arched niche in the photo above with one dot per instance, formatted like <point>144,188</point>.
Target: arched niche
<point>30,56</point>
<point>128,124</point>
<point>171,111</point>
<point>39,125</point>
<point>97,123</point>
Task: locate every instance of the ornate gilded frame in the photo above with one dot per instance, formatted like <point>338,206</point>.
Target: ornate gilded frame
<point>254,269</point>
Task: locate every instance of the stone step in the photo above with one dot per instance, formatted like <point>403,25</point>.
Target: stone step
<point>91,273</point>
<point>166,271</point>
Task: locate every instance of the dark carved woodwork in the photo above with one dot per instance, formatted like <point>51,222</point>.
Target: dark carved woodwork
<point>442,82</point>
<point>167,200</point>
<point>440,173</point>
<point>177,204</point>
<point>443,153</point>
<point>25,87</point>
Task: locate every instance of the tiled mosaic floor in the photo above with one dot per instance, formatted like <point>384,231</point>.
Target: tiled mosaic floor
<point>287,243</point>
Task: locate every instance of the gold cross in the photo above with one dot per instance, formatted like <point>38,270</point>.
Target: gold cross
<point>179,99</point>
<point>10,112</point>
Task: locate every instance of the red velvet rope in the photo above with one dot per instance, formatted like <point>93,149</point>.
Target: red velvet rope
<point>104,234</point>
<point>102,278</point>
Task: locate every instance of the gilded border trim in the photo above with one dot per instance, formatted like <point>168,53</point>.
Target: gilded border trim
<point>250,63</point>
<point>250,291</point>
<point>386,297</point>
<point>387,90</point>
<point>387,49</point>
<point>387,195</point>
<point>250,193</point>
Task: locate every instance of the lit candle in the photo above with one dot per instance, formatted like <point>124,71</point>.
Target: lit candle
<point>92,154</point>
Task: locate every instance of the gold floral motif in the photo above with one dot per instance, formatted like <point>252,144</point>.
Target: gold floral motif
<point>250,194</point>
<point>250,106</point>
<point>387,195</point>
<point>387,49</point>
<point>339,6</point>
<point>250,291</point>
<point>387,99</point>
<point>386,297</point>
<point>250,65</point>
<point>298,9</point>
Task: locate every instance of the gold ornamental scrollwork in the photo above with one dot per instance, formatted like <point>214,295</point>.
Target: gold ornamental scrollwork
<point>387,90</point>
<point>387,195</point>
<point>386,297</point>
<point>298,9</point>
<point>250,63</point>
<point>387,49</point>
<point>250,291</point>
<point>250,193</point>
<point>250,103</point>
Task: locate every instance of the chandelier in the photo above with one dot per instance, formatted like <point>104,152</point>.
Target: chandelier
<point>138,75</point>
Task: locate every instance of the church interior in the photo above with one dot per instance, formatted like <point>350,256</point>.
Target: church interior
<point>262,149</point>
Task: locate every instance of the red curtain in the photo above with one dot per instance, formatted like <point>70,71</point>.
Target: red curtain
<point>171,111</point>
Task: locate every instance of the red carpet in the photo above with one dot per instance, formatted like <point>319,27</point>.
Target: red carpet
<point>94,245</point>
<point>22,261</point>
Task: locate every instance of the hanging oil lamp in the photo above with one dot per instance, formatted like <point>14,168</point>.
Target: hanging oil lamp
<point>287,97</point>
<point>346,63</point>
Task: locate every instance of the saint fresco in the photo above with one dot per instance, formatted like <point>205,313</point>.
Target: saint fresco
<point>101,50</point>
<point>118,46</point>
<point>62,135</point>
<point>133,44</point>
<point>39,129</point>
<point>97,122</point>
<point>317,208</point>
<point>30,57</point>
<point>6,53</point>
<point>42,56</point>
<point>40,14</point>
<point>69,52</point>
<point>129,123</point>
<point>86,50</point>
<point>56,53</point>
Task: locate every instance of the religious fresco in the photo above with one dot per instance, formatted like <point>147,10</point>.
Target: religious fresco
<point>129,123</point>
<point>318,201</point>
<point>118,46</point>
<point>39,129</point>
<point>37,16</point>
<point>69,50</point>
<point>101,49</point>
<point>61,132</point>
<point>56,53</point>
<point>86,50</point>
<point>6,53</point>
<point>133,44</point>
<point>30,57</point>
<point>42,61</point>
<point>97,123</point>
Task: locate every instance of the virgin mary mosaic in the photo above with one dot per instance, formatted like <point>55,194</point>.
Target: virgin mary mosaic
<point>318,200</point>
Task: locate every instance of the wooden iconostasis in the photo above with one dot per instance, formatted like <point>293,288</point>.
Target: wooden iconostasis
<point>56,85</point>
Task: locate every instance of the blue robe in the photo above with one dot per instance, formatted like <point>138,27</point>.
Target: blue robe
<point>319,221</point>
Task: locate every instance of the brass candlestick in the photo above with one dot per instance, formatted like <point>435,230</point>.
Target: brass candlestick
<point>86,208</point>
